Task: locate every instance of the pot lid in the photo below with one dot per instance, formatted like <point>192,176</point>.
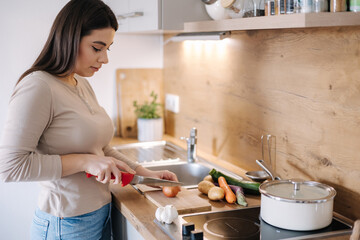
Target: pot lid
<point>298,191</point>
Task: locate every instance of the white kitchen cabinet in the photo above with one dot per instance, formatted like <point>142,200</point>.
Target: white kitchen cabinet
<point>156,16</point>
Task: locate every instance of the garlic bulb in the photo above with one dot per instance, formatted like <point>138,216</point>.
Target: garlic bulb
<point>166,214</point>
<point>158,213</point>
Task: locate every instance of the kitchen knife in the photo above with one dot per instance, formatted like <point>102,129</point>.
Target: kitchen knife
<point>128,178</point>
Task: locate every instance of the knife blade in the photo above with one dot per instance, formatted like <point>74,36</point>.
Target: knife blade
<point>128,178</point>
<point>154,181</point>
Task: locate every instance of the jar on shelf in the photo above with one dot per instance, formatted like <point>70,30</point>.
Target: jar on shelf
<point>259,8</point>
<point>269,7</point>
<point>239,8</point>
<point>306,6</point>
<point>320,6</point>
<point>289,6</point>
<point>338,6</point>
<point>279,7</point>
<point>297,6</point>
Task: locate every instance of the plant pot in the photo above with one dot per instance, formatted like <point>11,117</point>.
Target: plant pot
<point>150,129</point>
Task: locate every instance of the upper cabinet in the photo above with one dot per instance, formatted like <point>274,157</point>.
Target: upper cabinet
<point>156,16</point>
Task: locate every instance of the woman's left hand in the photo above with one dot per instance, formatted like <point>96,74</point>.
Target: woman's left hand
<point>162,174</point>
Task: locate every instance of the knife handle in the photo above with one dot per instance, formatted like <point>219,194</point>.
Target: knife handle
<point>126,177</point>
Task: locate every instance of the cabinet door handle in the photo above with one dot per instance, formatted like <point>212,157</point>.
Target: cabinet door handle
<point>130,15</point>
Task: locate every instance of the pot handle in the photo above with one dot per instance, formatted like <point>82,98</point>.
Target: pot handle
<point>268,169</point>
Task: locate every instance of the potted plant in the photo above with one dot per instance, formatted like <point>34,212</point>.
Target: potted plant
<point>149,121</point>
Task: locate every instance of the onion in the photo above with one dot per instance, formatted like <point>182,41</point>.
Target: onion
<point>171,191</point>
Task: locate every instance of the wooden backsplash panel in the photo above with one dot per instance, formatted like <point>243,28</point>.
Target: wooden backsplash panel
<point>301,85</point>
<point>135,84</point>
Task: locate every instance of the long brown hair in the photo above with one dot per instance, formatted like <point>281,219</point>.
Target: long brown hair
<point>75,20</point>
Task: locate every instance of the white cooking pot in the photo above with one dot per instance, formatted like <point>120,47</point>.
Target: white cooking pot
<point>295,204</point>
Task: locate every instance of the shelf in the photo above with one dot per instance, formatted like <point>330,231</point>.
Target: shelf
<point>301,20</point>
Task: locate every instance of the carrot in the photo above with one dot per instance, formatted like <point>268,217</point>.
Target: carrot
<point>239,193</point>
<point>229,195</point>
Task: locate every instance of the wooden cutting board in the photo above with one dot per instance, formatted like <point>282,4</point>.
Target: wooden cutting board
<point>135,84</point>
<point>185,202</point>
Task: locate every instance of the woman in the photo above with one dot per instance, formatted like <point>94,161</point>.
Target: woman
<point>56,130</point>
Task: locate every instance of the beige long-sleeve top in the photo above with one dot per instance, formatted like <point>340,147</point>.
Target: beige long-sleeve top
<point>48,118</point>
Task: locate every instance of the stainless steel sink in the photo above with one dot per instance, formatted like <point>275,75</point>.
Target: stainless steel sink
<point>163,155</point>
<point>151,152</point>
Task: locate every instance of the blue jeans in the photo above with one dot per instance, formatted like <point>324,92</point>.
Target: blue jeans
<point>90,226</point>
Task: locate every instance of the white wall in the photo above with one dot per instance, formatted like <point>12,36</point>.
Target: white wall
<point>24,26</point>
<point>128,51</point>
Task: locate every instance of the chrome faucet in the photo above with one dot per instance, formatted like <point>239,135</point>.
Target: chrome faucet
<point>191,145</point>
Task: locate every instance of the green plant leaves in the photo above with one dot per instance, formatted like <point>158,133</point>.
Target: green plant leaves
<point>148,110</point>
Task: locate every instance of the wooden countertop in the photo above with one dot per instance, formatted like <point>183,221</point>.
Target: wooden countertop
<point>140,212</point>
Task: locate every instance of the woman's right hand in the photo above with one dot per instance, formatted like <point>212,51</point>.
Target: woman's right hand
<point>103,167</point>
<point>100,166</point>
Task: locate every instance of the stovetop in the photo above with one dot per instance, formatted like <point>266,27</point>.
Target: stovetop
<point>247,224</point>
